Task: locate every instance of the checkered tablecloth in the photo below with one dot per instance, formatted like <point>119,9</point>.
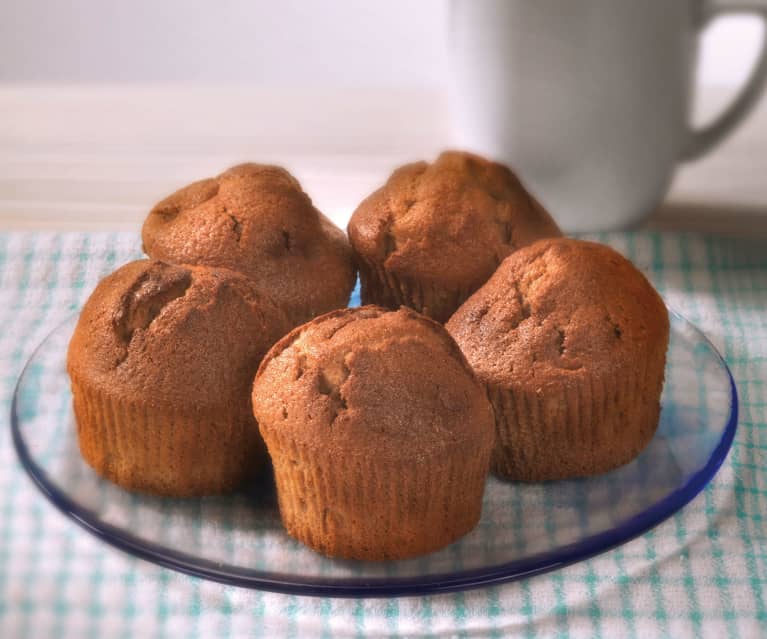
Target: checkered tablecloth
<point>701,573</point>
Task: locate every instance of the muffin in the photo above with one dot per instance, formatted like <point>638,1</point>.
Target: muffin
<point>434,233</point>
<point>379,434</point>
<point>570,340</point>
<point>161,364</point>
<point>255,219</point>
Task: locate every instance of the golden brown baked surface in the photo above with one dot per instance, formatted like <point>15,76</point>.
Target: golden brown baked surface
<point>398,370</point>
<point>161,362</point>
<point>256,219</point>
<point>434,233</point>
<point>379,433</point>
<point>570,339</point>
<point>560,308</point>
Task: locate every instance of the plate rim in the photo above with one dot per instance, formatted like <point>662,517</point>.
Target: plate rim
<point>357,587</point>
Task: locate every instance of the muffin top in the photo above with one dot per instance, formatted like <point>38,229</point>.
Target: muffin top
<point>367,381</point>
<point>449,223</point>
<point>560,308</point>
<point>256,219</point>
<point>180,337</point>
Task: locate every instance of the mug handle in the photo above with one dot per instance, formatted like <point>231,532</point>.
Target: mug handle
<point>701,141</point>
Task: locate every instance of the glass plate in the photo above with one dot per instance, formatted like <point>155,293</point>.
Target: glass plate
<point>525,528</point>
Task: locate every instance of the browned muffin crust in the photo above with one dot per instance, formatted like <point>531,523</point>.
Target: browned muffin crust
<point>161,363</point>
<point>434,233</point>
<point>255,219</point>
<point>378,431</point>
<point>570,339</point>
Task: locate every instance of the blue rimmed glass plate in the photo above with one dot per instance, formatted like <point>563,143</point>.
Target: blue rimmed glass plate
<point>525,528</point>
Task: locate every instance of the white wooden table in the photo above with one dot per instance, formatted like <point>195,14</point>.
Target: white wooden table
<point>99,157</point>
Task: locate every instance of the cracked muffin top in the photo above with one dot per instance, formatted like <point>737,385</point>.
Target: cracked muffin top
<point>257,220</point>
<point>560,307</point>
<point>367,381</point>
<point>181,337</point>
<point>449,223</point>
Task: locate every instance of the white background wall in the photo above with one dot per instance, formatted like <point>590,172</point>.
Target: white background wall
<point>340,43</point>
<point>268,43</point>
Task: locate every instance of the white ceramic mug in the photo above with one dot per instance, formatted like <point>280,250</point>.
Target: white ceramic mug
<point>589,100</point>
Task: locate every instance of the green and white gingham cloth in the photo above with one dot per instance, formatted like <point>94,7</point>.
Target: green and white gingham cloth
<point>701,573</point>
